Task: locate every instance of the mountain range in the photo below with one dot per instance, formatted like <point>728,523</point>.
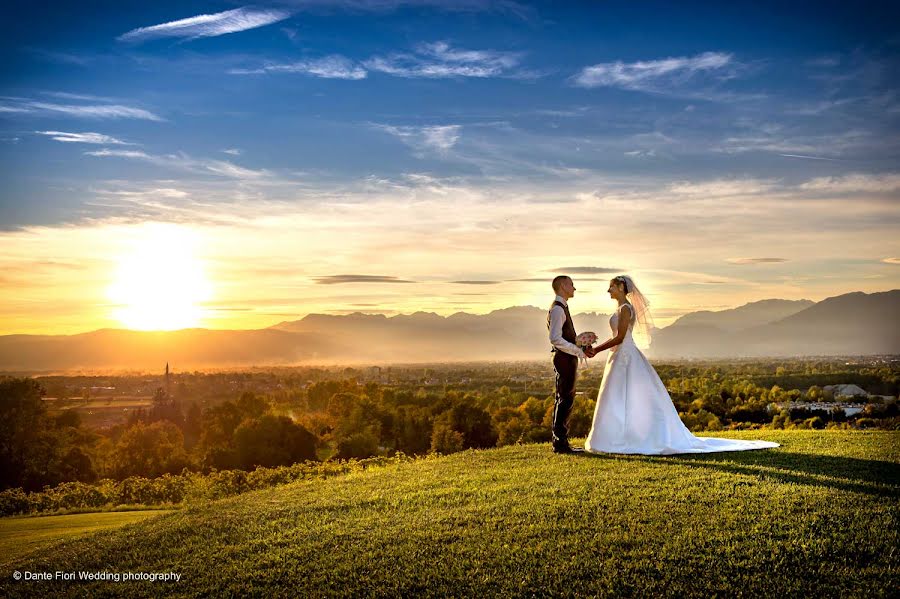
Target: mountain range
<point>851,324</point>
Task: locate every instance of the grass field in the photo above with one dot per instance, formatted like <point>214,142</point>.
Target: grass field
<point>816,517</point>
<point>19,536</point>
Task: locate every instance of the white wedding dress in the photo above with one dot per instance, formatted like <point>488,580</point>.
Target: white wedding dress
<point>635,414</point>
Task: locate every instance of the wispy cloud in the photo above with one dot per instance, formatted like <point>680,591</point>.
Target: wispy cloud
<point>719,188</point>
<point>232,151</point>
<point>809,157</point>
<point>648,75</point>
<point>122,154</point>
<point>328,67</point>
<point>587,270</point>
<point>391,5</point>
<point>84,138</point>
<point>891,260</point>
<point>435,60</point>
<point>440,60</point>
<point>855,182</point>
<point>476,282</point>
<point>89,111</point>
<point>816,146</point>
<point>756,260</point>
<point>435,137</point>
<point>338,279</point>
<point>221,23</point>
<point>80,97</point>
<point>697,77</point>
<point>182,161</point>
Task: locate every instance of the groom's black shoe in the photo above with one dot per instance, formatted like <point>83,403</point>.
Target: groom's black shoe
<point>567,449</point>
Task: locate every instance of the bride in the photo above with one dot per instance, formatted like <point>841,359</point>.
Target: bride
<point>634,413</point>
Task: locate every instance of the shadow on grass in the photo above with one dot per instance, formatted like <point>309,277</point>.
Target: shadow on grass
<point>872,477</point>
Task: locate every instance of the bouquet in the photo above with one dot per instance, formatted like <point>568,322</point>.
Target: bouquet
<point>584,340</point>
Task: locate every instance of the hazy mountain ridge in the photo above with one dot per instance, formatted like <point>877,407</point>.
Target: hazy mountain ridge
<point>855,323</point>
<point>746,316</point>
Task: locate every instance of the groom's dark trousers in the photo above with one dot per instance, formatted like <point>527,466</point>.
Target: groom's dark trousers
<point>566,366</point>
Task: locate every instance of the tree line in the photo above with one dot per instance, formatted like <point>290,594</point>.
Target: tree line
<point>343,418</point>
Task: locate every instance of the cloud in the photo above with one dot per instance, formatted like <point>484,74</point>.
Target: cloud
<point>84,138</point>
<point>640,153</point>
<point>221,23</point>
<point>122,154</point>
<point>756,260</point>
<point>182,161</point>
<point>338,279</point>
<point>719,188</point>
<point>809,157</point>
<point>391,5</point>
<point>586,270</point>
<point>855,182</point>
<point>328,67</point>
<point>232,151</point>
<point>436,137</point>
<point>440,60</point>
<point>476,282</point>
<point>647,75</point>
<point>434,60</point>
<point>80,97</point>
<point>814,145</point>
<point>90,111</point>
<point>891,260</point>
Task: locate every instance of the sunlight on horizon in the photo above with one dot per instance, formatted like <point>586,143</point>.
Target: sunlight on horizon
<point>160,282</point>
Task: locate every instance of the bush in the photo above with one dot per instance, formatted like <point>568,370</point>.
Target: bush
<point>174,489</point>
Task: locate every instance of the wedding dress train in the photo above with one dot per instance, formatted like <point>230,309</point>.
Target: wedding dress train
<point>635,414</point>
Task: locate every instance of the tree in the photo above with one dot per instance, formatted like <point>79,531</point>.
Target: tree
<point>35,448</point>
<point>23,417</point>
<point>272,441</point>
<point>473,423</point>
<point>445,440</point>
<point>216,447</point>
<point>511,425</point>
<point>360,444</point>
<point>150,450</point>
<point>534,409</point>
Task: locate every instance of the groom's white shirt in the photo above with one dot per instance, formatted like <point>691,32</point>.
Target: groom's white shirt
<point>557,318</point>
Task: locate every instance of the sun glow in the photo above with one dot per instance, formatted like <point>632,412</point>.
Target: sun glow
<point>160,282</point>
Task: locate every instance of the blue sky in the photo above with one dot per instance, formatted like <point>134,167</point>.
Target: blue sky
<point>496,120</point>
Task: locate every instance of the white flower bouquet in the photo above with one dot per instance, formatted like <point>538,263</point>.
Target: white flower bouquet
<point>584,340</point>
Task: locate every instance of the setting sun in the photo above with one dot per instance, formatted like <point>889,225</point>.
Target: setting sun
<point>160,282</point>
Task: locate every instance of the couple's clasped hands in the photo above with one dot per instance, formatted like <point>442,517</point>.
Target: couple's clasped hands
<point>590,352</point>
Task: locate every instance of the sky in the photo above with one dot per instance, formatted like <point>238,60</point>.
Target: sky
<point>232,166</point>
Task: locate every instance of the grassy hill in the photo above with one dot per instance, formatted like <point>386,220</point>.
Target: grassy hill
<point>19,536</point>
<point>817,516</point>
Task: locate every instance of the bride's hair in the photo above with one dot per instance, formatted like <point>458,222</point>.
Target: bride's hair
<point>623,281</point>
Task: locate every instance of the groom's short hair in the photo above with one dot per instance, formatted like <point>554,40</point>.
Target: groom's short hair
<point>557,281</point>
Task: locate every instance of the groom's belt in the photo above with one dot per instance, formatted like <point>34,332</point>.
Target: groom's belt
<point>554,350</point>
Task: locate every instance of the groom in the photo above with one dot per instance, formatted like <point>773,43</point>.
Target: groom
<point>565,361</point>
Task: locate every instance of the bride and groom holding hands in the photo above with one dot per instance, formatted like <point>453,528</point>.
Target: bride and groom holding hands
<point>634,413</point>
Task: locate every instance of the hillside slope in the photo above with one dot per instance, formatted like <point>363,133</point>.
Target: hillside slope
<point>816,517</point>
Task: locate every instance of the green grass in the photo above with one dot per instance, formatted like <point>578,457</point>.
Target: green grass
<point>816,517</point>
<point>21,535</point>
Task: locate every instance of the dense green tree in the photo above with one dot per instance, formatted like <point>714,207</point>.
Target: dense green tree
<point>150,450</point>
<point>445,440</point>
<point>473,423</point>
<point>270,441</point>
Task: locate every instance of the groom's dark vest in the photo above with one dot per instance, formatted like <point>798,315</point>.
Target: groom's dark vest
<point>568,328</point>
